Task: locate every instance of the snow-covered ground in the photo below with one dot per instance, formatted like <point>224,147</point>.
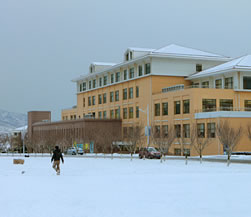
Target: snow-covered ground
<point>120,187</point>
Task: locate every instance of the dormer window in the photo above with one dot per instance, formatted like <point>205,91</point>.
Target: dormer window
<point>127,56</point>
<point>198,67</point>
<point>91,69</point>
<point>130,55</point>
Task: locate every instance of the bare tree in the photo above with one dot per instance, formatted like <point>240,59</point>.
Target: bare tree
<point>229,137</point>
<point>133,138</point>
<point>199,142</point>
<point>4,139</point>
<point>249,131</point>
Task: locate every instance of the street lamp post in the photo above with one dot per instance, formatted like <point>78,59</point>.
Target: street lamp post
<point>147,113</point>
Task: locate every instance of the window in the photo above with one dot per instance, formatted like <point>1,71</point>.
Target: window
<point>117,95</point>
<point>229,83</point>
<point>93,100</point>
<point>177,128</point>
<point>198,67</point>
<point>112,78</point>
<point>80,87</point>
<point>99,99</point>
<point>117,79</point>
<point>165,130</point>
<point>99,114</point>
<point>165,108</point>
<point>89,101</point>
<point>127,56</point>
<point>130,54</point>
<point>125,74</point>
<point>208,105</point>
<point>111,114</point>
<point>83,102</point>
<point>211,130</point>
<point>94,83</point>
<point>125,132</point>
<point>247,104</point>
<point>186,106</point>
<point>177,107</point>
<point>140,70</point>
<point>84,86</point>
<point>90,84</point>
<point>205,84</point>
<point>105,80</point>
<point>147,68</point>
<point>201,130</point>
<point>137,92</point>
<point>104,114</point>
<point>226,105</point>
<point>111,96</point>
<point>104,98</point>
<point>218,83</point>
<point>130,92</point>
<point>117,113</point>
<point>186,130</point>
<point>131,112</point>
<point>131,75</point>
<point>177,151</point>
<point>247,83</point>
<point>157,131</point>
<point>124,113</point>
<point>100,82</point>
<point>125,93</point>
<point>186,152</point>
<point>137,112</point>
<point>157,109</point>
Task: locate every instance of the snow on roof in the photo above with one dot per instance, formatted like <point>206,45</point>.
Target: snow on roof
<point>178,50</point>
<point>140,49</point>
<point>239,63</point>
<point>24,128</point>
<point>103,64</point>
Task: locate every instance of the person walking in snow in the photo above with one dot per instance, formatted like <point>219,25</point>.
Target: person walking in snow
<point>56,158</point>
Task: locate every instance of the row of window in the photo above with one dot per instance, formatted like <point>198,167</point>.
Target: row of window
<point>128,113</point>
<point>116,77</point>
<point>114,96</point>
<point>177,108</point>
<point>228,83</point>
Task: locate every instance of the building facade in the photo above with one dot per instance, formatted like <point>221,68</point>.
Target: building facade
<point>171,85</point>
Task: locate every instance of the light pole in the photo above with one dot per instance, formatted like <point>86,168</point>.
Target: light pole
<point>147,113</point>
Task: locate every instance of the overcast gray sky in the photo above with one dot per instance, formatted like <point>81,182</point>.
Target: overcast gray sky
<point>46,43</point>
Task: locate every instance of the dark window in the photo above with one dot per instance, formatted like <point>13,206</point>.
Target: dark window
<point>186,130</point>
<point>104,114</point>
<point>209,105</point>
<point>117,76</point>
<point>177,107</point>
<point>83,102</point>
<point>177,128</point>
<point>117,113</point>
<point>100,82</point>
<point>105,80</point>
<point>247,83</point>
<point>131,112</point>
<point>99,114</point>
<point>104,98</point>
<point>84,86</point>
<point>140,68</point>
<point>125,93</point>
<point>218,83</point>
<point>93,100</point>
<point>165,108</point>
<point>177,151</point>
<point>131,75</point>
<point>157,109</point>
<point>157,131</point>
<point>247,105</point>
<point>111,114</point>
<point>205,84</point>
<point>147,68</point>
<point>186,106</point>
<point>94,83</point>
<point>112,78</point>
<point>137,92</point>
<point>186,152</point>
<point>89,101</point>
<point>137,112</point>
<point>90,84</point>
<point>116,95</point>
<point>125,113</point>
<point>130,92</point>
<point>99,99</point>
<point>127,56</point>
<point>201,130</point>
<point>111,96</point>
<point>198,67</point>
<point>211,130</point>
<point>226,105</point>
<point>229,83</point>
<point>165,130</point>
<point>125,74</point>
<point>80,87</point>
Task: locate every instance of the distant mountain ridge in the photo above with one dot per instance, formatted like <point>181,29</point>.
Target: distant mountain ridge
<point>11,120</point>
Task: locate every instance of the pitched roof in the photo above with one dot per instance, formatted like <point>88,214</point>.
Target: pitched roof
<point>103,64</point>
<point>241,63</point>
<point>140,49</point>
<point>178,50</point>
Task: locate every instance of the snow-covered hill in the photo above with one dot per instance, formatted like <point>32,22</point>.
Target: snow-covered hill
<point>11,120</point>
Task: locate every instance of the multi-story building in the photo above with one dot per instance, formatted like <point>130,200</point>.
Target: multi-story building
<point>175,84</point>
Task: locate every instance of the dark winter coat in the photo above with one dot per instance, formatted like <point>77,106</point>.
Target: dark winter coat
<point>57,155</point>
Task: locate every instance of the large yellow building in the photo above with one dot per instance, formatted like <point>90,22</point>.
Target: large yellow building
<point>171,85</point>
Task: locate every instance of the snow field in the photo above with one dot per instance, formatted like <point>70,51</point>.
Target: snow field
<point>90,187</point>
